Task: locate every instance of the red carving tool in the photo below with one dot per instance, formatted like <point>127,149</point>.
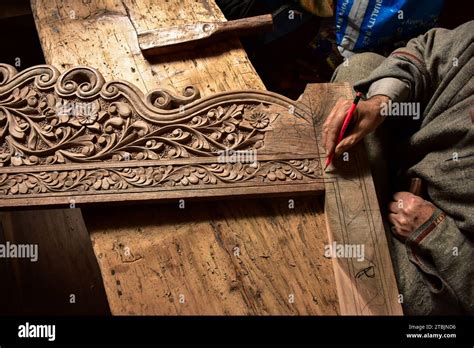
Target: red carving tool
<point>347,120</point>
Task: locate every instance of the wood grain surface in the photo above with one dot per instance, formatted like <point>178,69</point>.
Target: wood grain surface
<point>264,256</point>
<point>365,279</point>
<point>200,34</point>
<point>65,278</point>
<point>280,244</point>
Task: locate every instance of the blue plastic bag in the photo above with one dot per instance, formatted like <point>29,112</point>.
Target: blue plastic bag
<point>367,24</point>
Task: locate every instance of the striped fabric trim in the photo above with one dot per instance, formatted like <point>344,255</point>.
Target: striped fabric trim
<point>426,231</point>
<point>408,55</point>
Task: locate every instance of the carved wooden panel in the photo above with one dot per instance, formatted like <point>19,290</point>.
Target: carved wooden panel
<point>73,137</point>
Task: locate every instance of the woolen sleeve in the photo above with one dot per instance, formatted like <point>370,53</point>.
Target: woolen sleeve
<point>395,89</point>
<point>446,269</point>
<point>421,65</point>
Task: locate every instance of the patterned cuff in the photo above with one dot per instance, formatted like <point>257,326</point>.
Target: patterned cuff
<point>413,241</point>
<point>415,250</point>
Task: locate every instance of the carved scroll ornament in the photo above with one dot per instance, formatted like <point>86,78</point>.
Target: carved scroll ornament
<point>73,136</point>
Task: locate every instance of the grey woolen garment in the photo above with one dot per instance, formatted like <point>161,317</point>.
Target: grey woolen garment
<point>434,266</point>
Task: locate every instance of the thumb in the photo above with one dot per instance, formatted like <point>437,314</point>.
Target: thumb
<point>346,144</point>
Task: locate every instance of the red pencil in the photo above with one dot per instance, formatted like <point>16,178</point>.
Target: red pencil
<point>347,120</point>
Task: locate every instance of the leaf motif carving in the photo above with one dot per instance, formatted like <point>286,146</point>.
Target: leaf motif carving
<point>51,120</point>
<point>102,180</point>
<point>61,129</point>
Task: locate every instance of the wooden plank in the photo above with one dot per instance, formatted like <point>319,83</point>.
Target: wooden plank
<point>63,277</point>
<point>218,258</point>
<point>198,35</point>
<point>281,245</point>
<point>44,287</point>
<point>366,283</point>
<point>72,137</point>
<point>365,286</point>
<point>102,34</point>
<point>10,300</point>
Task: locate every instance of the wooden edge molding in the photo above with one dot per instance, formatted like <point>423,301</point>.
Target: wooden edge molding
<point>366,285</point>
<point>365,279</point>
<point>72,136</point>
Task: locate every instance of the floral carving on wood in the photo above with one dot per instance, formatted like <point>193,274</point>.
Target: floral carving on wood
<point>76,117</point>
<point>73,133</point>
<point>82,181</point>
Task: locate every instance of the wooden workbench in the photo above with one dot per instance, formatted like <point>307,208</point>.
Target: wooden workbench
<point>233,257</point>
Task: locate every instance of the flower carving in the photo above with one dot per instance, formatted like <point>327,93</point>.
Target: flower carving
<point>73,120</point>
<point>86,119</point>
<point>79,114</point>
<point>259,118</point>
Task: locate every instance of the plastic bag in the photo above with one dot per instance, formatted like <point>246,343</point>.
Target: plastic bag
<point>363,25</point>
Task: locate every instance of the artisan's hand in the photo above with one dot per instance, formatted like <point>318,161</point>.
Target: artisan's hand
<point>408,212</point>
<point>365,120</point>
